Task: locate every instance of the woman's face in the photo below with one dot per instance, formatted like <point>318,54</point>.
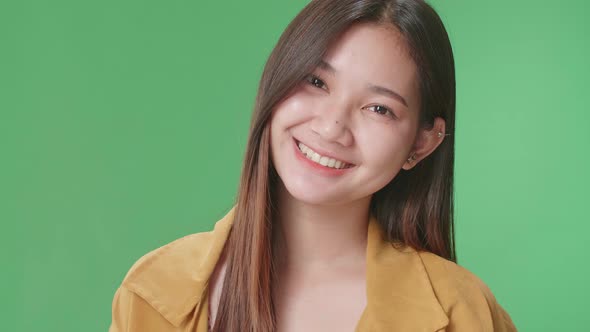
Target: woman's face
<point>348,129</point>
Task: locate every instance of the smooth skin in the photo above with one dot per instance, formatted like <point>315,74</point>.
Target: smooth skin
<point>361,106</point>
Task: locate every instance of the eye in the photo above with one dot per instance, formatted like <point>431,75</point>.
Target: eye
<point>316,81</point>
<point>381,110</point>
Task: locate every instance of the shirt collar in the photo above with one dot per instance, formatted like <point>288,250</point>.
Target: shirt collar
<point>173,279</point>
<point>400,296</point>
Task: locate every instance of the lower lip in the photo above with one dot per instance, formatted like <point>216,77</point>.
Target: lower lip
<point>324,170</point>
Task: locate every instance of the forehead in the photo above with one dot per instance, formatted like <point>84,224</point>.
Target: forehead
<point>373,54</point>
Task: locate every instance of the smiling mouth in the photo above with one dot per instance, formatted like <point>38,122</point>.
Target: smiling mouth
<point>322,160</point>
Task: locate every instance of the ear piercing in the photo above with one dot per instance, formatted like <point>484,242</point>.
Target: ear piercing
<point>440,134</point>
<point>412,158</point>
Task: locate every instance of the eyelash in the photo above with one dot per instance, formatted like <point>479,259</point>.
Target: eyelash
<point>317,82</point>
<point>388,112</point>
<point>311,78</point>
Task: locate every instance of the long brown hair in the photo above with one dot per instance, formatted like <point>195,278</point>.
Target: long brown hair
<point>415,208</point>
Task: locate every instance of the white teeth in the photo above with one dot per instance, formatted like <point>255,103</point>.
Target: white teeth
<point>316,157</point>
<point>322,160</point>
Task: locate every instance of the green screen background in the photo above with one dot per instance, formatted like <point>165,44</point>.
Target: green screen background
<point>123,126</point>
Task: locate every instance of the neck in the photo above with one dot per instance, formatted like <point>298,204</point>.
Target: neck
<point>322,236</point>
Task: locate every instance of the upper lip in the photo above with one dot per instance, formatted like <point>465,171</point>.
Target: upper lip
<point>324,153</point>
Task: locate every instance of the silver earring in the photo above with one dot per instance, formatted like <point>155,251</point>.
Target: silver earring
<point>412,158</point>
<point>440,134</point>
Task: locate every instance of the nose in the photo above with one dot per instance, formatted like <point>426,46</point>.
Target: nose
<point>331,124</point>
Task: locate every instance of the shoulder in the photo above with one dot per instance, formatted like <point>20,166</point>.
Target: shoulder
<point>170,281</point>
<point>466,299</point>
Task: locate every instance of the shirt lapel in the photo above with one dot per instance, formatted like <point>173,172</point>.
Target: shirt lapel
<point>399,293</point>
<point>173,278</point>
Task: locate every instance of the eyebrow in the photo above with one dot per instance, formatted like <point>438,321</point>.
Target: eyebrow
<point>326,66</point>
<point>373,88</point>
<point>387,92</point>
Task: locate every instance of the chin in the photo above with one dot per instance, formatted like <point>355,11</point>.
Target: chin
<point>303,193</point>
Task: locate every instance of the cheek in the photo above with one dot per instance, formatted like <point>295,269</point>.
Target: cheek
<point>286,115</point>
<point>295,104</point>
<point>386,146</point>
<point>384,160</point>
<point>388,158</point>
<point>290,112</point>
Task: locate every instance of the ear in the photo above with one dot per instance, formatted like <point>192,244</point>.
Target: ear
<point>427,140</point>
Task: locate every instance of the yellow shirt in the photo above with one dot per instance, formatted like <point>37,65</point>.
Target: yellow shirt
<point>166,290</point>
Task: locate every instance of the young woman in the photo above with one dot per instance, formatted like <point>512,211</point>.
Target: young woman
<point>344,217</point>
